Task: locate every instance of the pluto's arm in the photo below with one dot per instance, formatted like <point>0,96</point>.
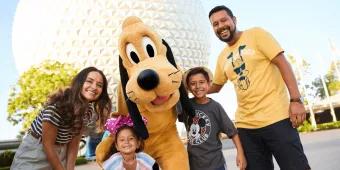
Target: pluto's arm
<point>121,104</point>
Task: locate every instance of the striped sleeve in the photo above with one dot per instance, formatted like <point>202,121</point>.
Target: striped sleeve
<point>50,114</point>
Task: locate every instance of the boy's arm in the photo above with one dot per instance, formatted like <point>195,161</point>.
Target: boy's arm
<point>241,161</point>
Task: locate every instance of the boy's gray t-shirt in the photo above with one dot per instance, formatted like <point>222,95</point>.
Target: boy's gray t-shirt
<point>204,146</point>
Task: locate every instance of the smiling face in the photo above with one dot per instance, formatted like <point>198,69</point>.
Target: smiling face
<point>198,85</point>
<point>92,87</point>
<point>224,25</point>
<point>127,142</point>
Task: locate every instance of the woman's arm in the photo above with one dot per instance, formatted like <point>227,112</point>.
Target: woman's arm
<point>72,151</point>
<point>241,161</point>
<point>49,135</point>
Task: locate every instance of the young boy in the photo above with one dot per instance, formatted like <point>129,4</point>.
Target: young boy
<point>204,146</point>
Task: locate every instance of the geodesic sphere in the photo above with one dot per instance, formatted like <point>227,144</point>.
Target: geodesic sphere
<point>85,32</point>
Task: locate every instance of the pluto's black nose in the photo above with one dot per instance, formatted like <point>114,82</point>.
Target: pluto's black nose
<point>148,79</point>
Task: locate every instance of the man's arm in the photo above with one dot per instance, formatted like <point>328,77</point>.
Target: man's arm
<point>297,112</point>
<point>215,88</point>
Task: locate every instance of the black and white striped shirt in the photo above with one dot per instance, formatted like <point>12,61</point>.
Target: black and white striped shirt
<point>52,115</point>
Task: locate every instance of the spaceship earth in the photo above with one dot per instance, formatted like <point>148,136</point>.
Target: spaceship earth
<point>85,32</point>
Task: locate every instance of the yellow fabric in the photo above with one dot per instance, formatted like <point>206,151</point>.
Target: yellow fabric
<point>163,143</point>
<point>261,92</point>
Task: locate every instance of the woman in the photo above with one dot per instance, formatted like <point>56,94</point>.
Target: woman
<point>53,139</point>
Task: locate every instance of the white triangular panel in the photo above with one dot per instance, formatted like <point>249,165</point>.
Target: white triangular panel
<point>85,32</point>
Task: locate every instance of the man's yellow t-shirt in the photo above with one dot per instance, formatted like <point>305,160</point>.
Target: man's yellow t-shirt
<point>261,92</point>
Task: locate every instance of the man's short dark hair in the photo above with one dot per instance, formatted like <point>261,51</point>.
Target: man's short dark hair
<point>220,8</point>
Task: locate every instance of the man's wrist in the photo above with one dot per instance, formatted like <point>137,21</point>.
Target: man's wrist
<point>297,100</point>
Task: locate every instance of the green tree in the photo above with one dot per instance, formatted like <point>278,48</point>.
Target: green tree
<point>332,81</point>
<point>319,88</point>
<point>33,88</point>
<point>303,73</point>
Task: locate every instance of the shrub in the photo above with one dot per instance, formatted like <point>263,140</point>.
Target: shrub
<point>331,125</point>
<point>305,127</point>
<point>6,158</point>
<point>81,160</point>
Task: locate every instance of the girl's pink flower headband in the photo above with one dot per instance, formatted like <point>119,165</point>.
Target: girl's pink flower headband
<point>113,124</point>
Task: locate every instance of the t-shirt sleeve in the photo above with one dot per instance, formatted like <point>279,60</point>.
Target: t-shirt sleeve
<point>220,77</point>
<point>50,114</point>
<point>226,125</point>
<point>267,44</point>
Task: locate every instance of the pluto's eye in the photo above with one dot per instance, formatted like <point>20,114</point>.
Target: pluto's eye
<point>132,54</point>
<point>149,47</point>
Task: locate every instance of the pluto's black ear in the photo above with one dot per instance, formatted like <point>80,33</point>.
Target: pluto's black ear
<point>169,54</point>
<point>188,110</point>
<point>135,115</point>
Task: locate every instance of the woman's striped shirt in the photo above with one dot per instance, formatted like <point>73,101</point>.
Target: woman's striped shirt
<point>51,114</point>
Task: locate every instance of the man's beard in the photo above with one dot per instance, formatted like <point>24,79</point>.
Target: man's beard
<point>231,34</point>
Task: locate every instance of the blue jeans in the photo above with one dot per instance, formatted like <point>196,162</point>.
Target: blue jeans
<point>106,134</point>
<point>91,145</point>
<point>280,140</point>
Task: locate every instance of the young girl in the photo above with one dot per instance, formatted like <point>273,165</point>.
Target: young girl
<point>129,147</point>
<point>53,139</point>
<point>204,146</point>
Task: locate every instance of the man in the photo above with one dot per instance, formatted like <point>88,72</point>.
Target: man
<point>267,115</point>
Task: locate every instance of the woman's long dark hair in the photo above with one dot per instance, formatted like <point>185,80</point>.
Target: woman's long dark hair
<point>72,105</point>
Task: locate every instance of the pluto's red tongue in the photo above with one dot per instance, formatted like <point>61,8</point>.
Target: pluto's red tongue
<point>160,100</point>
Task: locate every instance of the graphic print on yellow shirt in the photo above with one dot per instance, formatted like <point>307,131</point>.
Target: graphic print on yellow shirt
<point>262,95</point>
<point>239,67</point>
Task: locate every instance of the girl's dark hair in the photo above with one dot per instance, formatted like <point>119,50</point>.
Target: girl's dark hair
<point>220,8</point>
<point>139,139</point>
<point>72,105</point>
<point>194,71</point>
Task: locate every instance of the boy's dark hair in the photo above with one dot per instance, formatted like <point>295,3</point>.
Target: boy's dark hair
<point>197,70</point>
<point>220,8</point>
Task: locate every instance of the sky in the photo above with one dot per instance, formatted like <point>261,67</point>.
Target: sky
<point>303,28</point>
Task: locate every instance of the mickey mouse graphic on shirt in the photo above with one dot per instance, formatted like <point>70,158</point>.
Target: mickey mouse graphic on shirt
<point>199,129</point>
<point>239,67</point>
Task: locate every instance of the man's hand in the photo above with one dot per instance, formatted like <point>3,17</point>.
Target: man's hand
<point>297,113</point>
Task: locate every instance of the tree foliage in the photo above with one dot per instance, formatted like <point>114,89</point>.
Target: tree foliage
<point>303,73</point>
<point>33,88</point>
<point>332,81</point>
